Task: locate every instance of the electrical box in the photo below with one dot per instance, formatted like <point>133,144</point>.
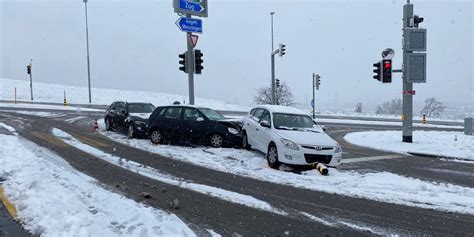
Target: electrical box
<point>414,39</point>
<point>415,67</point>
<point>468,126</point>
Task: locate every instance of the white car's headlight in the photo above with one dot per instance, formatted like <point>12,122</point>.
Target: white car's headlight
<point>289,144</point>
<point>338,149</point>
<point>233,131</point>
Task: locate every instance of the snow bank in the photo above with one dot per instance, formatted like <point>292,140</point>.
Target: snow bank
<point>444,144</point>
<point>381,186</point>
<point>53,199</point>
<point>46,92</point>
<point>226,195</point>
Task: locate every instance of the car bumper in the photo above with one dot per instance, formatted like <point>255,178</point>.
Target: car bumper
<point>233,140</point>
<point>141,130</point>
<point>305,156</point>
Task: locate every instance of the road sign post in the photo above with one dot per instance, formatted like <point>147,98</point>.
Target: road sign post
<point>190,25</point>
<point>190,61</point>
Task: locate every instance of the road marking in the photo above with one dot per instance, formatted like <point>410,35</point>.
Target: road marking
<point>10,207</point>
<point>49,138</point>
<point>371,158</point>
<point>89,141</point>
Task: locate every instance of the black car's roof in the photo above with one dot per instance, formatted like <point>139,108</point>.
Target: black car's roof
<point>183,106</point>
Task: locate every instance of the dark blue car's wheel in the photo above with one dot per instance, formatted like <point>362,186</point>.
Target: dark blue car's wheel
<point>216,140</point>
<point>108,124</point>
<point>131,131</point>
<point>156,137</point>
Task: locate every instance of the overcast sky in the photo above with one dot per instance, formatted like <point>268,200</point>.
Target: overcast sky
<point>135,45</point>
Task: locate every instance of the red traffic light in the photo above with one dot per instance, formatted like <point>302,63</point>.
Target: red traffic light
<point>387,65</point>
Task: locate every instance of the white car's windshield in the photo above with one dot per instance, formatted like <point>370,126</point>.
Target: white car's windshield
<point>292,121</point>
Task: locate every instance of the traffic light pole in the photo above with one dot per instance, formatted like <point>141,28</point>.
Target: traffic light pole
<point>407,99</point>
<point>273,78</point>
<point>190,66</point>
<point>314,92</point>
<point>31,80</point>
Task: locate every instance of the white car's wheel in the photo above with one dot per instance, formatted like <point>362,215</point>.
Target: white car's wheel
<point>272,156</point>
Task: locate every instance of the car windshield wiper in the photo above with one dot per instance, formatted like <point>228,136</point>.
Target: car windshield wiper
<point>284,128</point>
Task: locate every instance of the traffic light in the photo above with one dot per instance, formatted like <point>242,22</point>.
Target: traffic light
<point>198,61</point>
<point>277,82</point>
<point>28,69</point>
<point>182,61</point>
<point>281,50</point>
<point>387,71</point>
<point>377,71</point>
<point>417,20</point>
<point>317,82</point>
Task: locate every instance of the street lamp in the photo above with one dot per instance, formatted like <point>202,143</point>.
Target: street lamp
<point>271,14</point>
<point>88,61</point>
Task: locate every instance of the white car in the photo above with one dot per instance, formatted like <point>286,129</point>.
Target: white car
<point>288,135</point>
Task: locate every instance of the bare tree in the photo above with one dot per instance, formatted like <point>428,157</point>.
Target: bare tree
<point>358,108</point>
<point>393,107</point>
<point>283,95</point>
<point>433,108</point>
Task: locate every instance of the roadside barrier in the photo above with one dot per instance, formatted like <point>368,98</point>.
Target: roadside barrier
<point>321,168</point>
<point>10,207</point>
<point>95,126</point>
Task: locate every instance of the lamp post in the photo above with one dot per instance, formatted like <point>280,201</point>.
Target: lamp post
<point>271,14</point>
<point>88,60</point>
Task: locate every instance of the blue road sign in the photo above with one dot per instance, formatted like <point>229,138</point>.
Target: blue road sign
<point>192,25</point>
<point>312,103</point>
<point>191,6</point>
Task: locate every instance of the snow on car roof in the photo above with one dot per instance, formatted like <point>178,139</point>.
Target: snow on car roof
<point>282,109</point>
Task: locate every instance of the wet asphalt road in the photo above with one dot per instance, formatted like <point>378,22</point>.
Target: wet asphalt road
<point>205,212</point>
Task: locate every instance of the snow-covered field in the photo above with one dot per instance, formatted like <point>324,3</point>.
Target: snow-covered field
<point>381,123</point>
<point>53,199</point>
<point>382,116</point>
<point>46,92</point>
<point>47,107</point>
<point>444,144</point>
<point>380,186</point>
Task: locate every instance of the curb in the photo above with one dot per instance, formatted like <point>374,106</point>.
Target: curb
<point>438,156</point>
<point>10,207</point>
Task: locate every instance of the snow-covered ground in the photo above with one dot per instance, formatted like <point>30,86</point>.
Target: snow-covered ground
<point>444,144</point>
<point>365,122</point>
<point>47,107</point>
<point>155,174</point>
<point>380,186</point>
<point>380,116</point>
<point>53,199</point>
<point>47,92</point>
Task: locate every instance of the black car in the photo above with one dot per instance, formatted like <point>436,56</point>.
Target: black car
<point>189,124</point>
<point>131,118</point>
